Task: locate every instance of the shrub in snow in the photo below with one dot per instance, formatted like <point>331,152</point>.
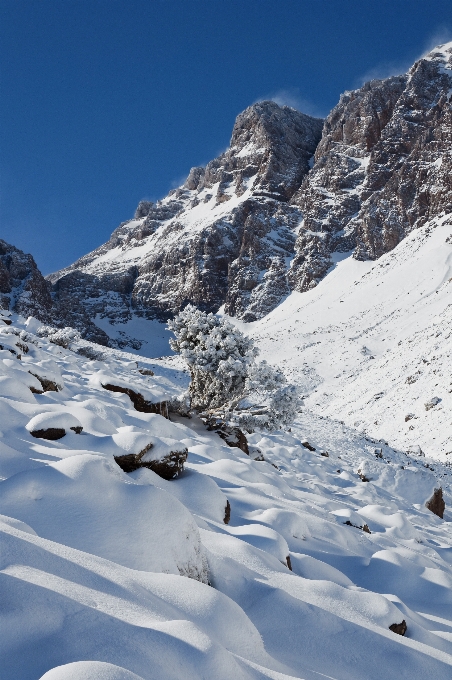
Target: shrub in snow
<point>226,380</point>
<point>59,336</point>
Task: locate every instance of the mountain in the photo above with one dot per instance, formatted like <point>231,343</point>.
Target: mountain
<point>225,236</point>
<point>266,216</point>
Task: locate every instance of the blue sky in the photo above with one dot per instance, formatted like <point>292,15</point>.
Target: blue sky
<point>106,102</point>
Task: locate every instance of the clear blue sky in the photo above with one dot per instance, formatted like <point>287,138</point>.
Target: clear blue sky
<point>106,102</point>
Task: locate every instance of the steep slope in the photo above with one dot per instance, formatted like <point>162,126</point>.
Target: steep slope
<point>382,168</point>
<point>102,571</point>
<point>371,344</point>
<point>222,237</point>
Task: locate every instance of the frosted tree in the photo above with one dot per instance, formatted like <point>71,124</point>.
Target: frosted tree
<point>227,383</point>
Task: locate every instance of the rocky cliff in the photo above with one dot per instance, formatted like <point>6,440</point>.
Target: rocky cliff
<point>225,237</point>
<point>382,168</point>
<point>23,289</point>
<point>265,217</point>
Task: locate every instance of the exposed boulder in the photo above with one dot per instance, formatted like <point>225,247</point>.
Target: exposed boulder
<point>164,456</point>
<point>431,403</point>
<point>399,628</point>
<point>233,436</point>
<point>436,503</point>
<point>53,425</point>
<point>138,401</point>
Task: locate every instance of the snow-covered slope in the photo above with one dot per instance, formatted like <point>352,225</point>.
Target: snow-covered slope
<point>371,345</point>
<point>121,576</point>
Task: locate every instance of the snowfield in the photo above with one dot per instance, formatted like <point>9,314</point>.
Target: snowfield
<point>371,344</point>
<point>108,575</point>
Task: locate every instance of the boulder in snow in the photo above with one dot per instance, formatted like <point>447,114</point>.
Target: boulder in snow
<point>431,403</point>
<point>399,628</point>
<point>162,455</point>
<point>53,425</point>
<point>436,503</point>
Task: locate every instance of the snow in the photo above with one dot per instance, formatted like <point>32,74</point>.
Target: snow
<point>370,344</point>
<point>112,576</point>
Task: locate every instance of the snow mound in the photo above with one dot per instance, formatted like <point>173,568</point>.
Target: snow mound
<point>89,670</point>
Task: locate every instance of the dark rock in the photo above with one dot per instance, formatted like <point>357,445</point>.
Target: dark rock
<point>363,477</point>
<point>146,371</point>
<point>51,433</point>
<point>307,445</point>
<point>288,562</point>
<point>364,528</point>
<point>169,467</point>
<point>325,454</point>
<point>227,513</point>
<point>139,402</point>
<point>399,628</point>
<point>47,385</point>
<point>436,503</point>
<point>233,436</point>
<point>78,429</point>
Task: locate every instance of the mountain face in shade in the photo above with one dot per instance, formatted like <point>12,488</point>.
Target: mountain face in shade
<point>23,289</point>
<point>267,215</point>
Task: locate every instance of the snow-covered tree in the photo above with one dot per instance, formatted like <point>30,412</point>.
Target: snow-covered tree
<point>226,380</point>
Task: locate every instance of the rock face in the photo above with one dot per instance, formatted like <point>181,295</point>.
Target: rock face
<point>224,237</point>
<point>23,289</point>
<point>382,168</point>
<point>267,215</point>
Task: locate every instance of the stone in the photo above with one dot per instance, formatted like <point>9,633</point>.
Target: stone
<point>139,402</point>
<point>436,503</point>
<point>399,628</point>
<point>227,513</point>
<point>233,436</point>
<point>47,385</point>
<point>308,446</point>
<point>168,466</point>
<point>51,433</point>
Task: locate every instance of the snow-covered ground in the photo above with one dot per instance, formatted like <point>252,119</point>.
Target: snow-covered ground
<point>115,576</point>
<point>372,343</point>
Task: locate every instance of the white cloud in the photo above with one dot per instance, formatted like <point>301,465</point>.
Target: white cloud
<point>292,97</point>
